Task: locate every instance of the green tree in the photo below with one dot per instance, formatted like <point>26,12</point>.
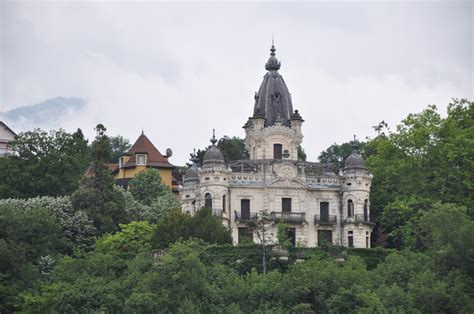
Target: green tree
<point>26,239</point>
<point>446,232</point>
<point>233,148</point>
<point>45,164</point>
<point>208,227</point>
<point>260,226</point>
<point>301,153</point>
<point>337,154</point>
<point>147,186</point>
<point>96,195</point>
<point>203,225</point>
<point>119,145</point>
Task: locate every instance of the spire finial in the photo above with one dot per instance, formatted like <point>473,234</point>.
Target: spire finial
<point>272,64</point>
<point>213,139</point>
<point>355,147</point>
<point>143,133</point>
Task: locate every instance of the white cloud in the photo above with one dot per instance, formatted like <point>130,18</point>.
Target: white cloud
<point>179,70</point>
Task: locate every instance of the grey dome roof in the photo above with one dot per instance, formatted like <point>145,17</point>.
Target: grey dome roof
<point>191,174</point>
<point>355,160</point>
<point>213,157</point>
<point>273,100</point>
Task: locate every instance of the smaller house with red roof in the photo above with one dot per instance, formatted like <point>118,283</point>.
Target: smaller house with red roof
<point>141,156</point>
<point>6,137</point>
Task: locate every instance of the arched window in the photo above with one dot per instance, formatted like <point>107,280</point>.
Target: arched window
<point>223,203</point>
<point>208,201</point>
<point>366,210</point>
<point>350,208</point>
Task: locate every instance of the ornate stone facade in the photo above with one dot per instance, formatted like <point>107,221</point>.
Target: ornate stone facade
<point>318,202</point>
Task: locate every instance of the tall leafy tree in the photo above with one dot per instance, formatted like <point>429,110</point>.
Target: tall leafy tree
<point>119,145</point>
<point>96,195</point>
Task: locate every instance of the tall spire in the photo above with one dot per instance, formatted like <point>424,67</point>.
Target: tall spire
<point>272,64</point>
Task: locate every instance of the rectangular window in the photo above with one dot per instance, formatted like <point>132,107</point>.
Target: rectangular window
<point>245,209</point>
<point>286,205</point>
<point>291,235</point>
<point>350,238</point>
<point>141,159</point>
<point>367,242</point>
<point>277,151</point>
<point>324,236</point>
<point>120,162</point>
<point>324,211</point>
<point>245,235</point>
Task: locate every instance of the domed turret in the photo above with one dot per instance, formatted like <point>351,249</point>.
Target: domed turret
<point>191,175</point>
<point>355,160</point>
<point>273,100</point>
<point>213,157</point>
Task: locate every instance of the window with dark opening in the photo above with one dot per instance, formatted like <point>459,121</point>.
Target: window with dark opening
<point>350,208</point>
<point>324,211</point>
<point>324,236</point>
<point>208,201</point>
<point>366,210</point>
<point>245,209</point>
<point>350,238</point>
<point>277,151</point>
<point>286,205</point>
<point>223,203</point>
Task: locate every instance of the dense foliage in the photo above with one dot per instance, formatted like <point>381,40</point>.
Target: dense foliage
<point>100,249</point>
<point>44,164</point>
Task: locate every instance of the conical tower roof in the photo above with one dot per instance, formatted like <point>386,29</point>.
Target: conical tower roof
<point>273,100</point>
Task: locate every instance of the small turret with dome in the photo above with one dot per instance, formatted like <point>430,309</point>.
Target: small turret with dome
<point>355,160</point>
<point>192,174</point>
<point>213,157</point>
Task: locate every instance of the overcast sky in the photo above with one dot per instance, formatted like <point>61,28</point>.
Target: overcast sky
<point>178,70</point>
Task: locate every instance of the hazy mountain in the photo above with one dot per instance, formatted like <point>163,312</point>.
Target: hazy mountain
<point>46,113</point>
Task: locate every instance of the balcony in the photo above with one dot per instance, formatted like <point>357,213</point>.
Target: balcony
<point>364,219</point>
<point>244,218</point>
<point>360,219</point>
<point>325,220</point>
<point>288,217</point>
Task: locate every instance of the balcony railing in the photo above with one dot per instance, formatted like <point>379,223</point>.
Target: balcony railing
<point>244,218</point>
<point>325,220</point>
<point>360,219</point>
<point>288,217</point>
<point>364,219</point>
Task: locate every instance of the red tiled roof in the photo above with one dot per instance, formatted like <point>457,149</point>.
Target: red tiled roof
<point>154,157</point>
